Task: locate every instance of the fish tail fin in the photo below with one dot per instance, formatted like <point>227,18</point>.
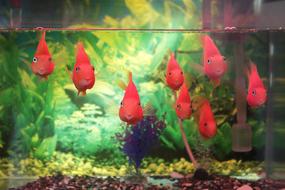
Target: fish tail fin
<point>43,78</point>
<point>83,93</point>
<point>253,68</point>
<point>203,137</point>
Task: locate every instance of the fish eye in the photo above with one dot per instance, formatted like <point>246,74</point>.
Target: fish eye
<point>139,103</point>
<point>253,93</point>
<point>93,68</point>
<point>77,69</point>
<point>178,106</point>
<point>181,72</point>
<point>121,104</point>
<point>35,60</point>
<point>209,62</point>
<point>224,58</point>
<point>49,59</point>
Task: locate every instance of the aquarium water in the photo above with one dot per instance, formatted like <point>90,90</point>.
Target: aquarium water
<point>158,94</point>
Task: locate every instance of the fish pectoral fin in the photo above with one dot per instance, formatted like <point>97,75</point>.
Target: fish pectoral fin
<point>216,82</point>
<point>69,72</point>
<point>198,68</point>
<point>121,84</point>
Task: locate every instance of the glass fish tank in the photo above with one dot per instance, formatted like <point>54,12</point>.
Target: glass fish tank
<point>142,94</point>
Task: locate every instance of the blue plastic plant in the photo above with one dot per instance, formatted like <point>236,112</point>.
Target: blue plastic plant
<point>138,140</point>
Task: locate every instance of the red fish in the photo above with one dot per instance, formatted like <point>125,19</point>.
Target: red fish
<point>131,110</point>
<point>174,74</point>
<point>207,123</point>
<point>214,64</point>
<point>256,95</point>
<point>83,75</point>
<point>183,104</point>
<point>42,64</point>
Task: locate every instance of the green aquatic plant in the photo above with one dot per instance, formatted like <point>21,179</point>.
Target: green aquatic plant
<point>87,131</point>
<point>27,112</point>
<point>154,14</point>
<point>38,117</point>
<point>1,141</point>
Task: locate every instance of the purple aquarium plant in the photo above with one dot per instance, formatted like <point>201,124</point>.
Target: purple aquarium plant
<point>138,139</point>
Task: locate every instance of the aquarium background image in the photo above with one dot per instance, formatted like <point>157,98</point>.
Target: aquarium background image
<point>47,129</point>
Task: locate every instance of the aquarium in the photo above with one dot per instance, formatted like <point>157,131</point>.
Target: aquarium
<point>142,94</point>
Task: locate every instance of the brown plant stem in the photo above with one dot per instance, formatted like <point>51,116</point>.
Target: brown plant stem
<point>187,146</point>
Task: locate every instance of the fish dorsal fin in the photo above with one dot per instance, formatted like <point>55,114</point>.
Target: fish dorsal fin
<point>210,48</point>
<point>184,95</point>
<point>42,48</point>
<point>253,77</point>
<point>122,84</point>
<point>131,90</point>
<point>206,111</point>
<point>130,76</point>
<point>196,104</point>
<point>172,63</point>
<point>81,56</point>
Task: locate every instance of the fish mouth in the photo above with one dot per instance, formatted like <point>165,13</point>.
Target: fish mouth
<point>84,82</point>
<point>219,72</point>
<point>260,102</point>
<point>41,72</point>
<point>177,82</point>
<point>129,117</point>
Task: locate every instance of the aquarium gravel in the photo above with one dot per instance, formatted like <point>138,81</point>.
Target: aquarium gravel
<point>216,182</point>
